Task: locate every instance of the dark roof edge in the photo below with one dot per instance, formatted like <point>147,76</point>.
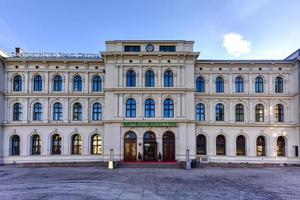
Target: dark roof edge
<point>294,55</point>
<point>53,59</point>
<point>244,61</point>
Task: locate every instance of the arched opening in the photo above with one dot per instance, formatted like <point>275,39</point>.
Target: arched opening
<point>56,144</point>
<point>279,113</point>
<point>150,146</point>
<point>131,78</point>
<point>17,83</point>
<point>36,145</point>
<point>221,145</point>
<point>219,85</point>
<point>280,146</point>
<point>240,145</point>
<point>201,145</point>
<point>38,83</point>
<point>57,83</point>
<point>76,145</point>
<point>96,144</point>
<point>77,84</point>
<point>130,151</point>
<point>200,84</point>
<point>168,78</point>
<point>261,146</point>
<point>259,85</point>
<point>97,84</point>
<point>15,145</point>
<point>278,85</point>
<point>239,84</point>
<point>149,79</point>
<point>168,146</point>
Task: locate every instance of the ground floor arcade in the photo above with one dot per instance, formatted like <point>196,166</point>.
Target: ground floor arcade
<point>171,142</point>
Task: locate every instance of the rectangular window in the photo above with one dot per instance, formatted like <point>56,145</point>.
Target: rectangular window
<point>167,48</point>
<point>132,48</point>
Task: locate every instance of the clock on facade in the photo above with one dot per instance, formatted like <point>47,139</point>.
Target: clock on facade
<point>149,48</point>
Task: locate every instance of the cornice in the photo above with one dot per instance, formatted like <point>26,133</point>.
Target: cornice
<point>122,53</point>
<point>151,90</point>
<point>244,96</point>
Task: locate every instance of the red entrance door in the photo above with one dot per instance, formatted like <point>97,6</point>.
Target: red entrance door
<point>168,146</point>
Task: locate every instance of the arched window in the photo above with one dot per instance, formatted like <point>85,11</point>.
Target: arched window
<point>130,108</point>
<point>239,113</point>
<point>259,85</point>
<point>201,145</point>
<point>56,144</point>
<point>168,108</point>
<point>149,108</point>
<point>259,113</point>
<point>219,112</point>
<point>131,78</point>
<point>37,83</point>
<point>220,145</point>
<point>96,144</point>
<point>200,84</point>
<point>219,85</point>
<point>77,112</point>
<point>168,78</point>
<point>57,112</point>
<point>149,136</point>
<point>76,144</point>
<point>240,145</point>
<point>280,146</point>
<point>261,146</point>
<point>36,145</point>
<point>239,85</point>
<point>15,145</point>
<point>200,112</point>
<point>37,112</point>
<point>17,112</point>
<point>97,112</point>
<point>149,79</point>
<point>97,84</point>
<point>17,86</point>
<point>279,113</point>
<point>278,85</point>
<point>77,84</point>
<point>57,83</point>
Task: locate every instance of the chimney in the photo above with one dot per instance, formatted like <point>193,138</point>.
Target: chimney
<point>19,52</point>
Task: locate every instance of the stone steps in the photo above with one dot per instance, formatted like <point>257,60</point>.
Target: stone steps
<point>161,165</point>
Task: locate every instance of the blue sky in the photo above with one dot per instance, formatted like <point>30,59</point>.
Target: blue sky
<point>221,29</point>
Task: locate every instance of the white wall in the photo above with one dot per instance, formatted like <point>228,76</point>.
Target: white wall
<point>183,93</point>
<point>2,108</point>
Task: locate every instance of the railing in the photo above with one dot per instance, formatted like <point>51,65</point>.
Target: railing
<point>58,55</point>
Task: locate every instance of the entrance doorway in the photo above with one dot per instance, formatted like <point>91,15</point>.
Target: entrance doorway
<point>150,146</point>
<point>168,146</point>
<point>130,146</point>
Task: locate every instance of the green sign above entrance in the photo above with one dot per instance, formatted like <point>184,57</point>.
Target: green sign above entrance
<point>149,124</point>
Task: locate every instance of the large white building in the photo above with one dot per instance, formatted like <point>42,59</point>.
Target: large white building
<point>148,100</point>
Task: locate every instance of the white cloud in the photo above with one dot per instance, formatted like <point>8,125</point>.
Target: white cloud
<point>235,44</point>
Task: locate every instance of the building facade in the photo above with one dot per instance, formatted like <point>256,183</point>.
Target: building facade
<point>148,100</point>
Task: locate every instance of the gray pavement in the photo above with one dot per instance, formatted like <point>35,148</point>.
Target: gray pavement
<point>96,183</point>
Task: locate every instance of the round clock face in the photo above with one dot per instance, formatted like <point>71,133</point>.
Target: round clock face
<point>149,48</point>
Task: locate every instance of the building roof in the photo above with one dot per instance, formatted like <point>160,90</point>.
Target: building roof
<point>294,55</point>
<point>244,61</point>
<point>149,41</point>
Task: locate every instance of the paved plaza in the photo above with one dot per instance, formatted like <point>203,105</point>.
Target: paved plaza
<point>98,183</point>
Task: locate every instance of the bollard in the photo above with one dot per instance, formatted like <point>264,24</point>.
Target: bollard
<point>111,159</point>
<point>187,160</point>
